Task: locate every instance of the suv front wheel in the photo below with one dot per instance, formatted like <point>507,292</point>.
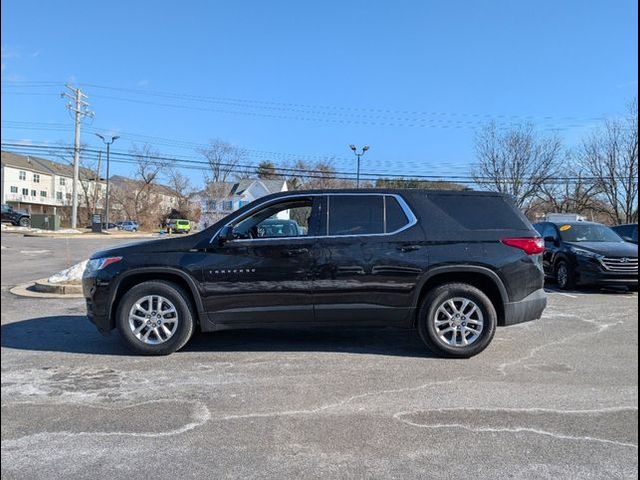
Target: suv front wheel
<point>155,318</point>
<point>457,320</point>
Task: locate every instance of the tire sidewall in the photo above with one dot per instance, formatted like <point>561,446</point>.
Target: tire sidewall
<point>436,298</point>
<point>567,284</point>
<point>185,317</point>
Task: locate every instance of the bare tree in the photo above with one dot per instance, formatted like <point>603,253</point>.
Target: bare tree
<point>571,193</point>
<point>224,160</point>
<point>610,156</point>
<point>267,170</point>
<point>141,198</point>
<point>321,174</point>
<point>517,162</point>
<point>181,186</point>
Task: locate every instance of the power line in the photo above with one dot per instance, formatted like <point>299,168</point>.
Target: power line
<point>130,158</point>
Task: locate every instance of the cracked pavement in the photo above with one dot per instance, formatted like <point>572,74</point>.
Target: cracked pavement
<point>555,398</point>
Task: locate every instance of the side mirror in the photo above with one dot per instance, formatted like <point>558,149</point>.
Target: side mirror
<point>225,235</point>
<point>550,239</point>
<point>628,239</point>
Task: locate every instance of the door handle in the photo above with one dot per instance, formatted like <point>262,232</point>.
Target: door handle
<point>409,248</point>
<point>296,251</point>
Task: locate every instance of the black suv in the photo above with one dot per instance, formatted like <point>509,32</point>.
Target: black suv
<point>453,265</point>
<point>15,217</point>
<point>585,253</point>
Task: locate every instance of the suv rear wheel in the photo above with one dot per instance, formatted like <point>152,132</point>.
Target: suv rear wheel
<point>457,320</point>
<point>155,318</point>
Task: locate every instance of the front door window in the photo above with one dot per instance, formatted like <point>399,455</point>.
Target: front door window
<point>281,220</point>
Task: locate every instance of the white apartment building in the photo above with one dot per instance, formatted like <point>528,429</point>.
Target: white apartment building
<point>38,185</point>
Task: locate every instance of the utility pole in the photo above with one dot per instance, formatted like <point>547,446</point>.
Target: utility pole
<point>80,108</point>
<point>359,155</point>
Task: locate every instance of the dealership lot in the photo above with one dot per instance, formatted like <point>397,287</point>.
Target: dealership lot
<point>548,399</point>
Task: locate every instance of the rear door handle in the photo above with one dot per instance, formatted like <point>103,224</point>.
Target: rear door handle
<point>296,251</point>
<point>409,248</point>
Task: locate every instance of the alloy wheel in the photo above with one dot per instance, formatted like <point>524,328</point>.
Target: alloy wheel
<point>153,319</point>
<point>458,322</point>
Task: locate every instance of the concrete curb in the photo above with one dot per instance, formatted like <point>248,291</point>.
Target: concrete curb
<point>43,289</point>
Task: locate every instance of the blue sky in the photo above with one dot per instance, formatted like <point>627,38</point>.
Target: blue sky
<point>413,79</point>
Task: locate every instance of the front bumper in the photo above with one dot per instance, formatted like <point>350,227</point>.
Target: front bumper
<point>591,272</point>
<point>96,295</point>
<point>529,308</point>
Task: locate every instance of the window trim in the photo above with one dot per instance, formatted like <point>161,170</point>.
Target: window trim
<point>412,219</point>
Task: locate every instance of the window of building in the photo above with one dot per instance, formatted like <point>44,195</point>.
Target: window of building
<point>36,178</point>
<point>68,196</point>
<point>34,193</point>
<point>43,193</point>
<point>58,195</point>
<point>25,191</point>
<point>14,189</point>
<point>63,181</point>
<point>356,214</point>
<point>22,175</point>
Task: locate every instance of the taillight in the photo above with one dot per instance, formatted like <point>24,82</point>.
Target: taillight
<point>530,246</point>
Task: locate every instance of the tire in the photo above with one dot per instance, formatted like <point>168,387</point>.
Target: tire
<point>173,296</point>
<point>24,222</point>
<point>564,276</point>
<point>430,313</point>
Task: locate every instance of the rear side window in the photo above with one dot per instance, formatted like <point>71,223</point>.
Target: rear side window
<point>356,214</point>
<point>477,212</point>
<point>395,216</point>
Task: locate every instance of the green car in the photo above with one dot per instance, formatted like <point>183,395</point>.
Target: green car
<point>178,226</point>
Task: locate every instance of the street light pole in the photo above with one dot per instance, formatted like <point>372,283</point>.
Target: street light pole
<point>106,201</point>
<point>358,155</point>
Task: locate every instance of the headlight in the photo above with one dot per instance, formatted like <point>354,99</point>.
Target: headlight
<point>96,264</point>
<point>586,253</point>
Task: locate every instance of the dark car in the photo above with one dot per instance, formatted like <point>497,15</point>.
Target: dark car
<point>628,232</point>
<point>585,253</point>
<point>452,265</point>
<point>15,217</point>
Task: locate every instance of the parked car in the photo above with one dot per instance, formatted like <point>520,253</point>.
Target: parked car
<point>178,226</point>
<point>586,253</point>
<point>279,228</point>
<point>452,265</point>
<point>129,226</point>
<point>15,217</point>
<point>628,232</point>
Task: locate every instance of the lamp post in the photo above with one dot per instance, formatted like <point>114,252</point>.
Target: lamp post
<point>358,155</point>
<point>107,141</point>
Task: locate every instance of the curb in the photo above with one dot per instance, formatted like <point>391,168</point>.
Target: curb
<point>43,289</point>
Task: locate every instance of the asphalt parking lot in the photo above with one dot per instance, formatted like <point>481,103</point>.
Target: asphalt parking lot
<point>555,398</point>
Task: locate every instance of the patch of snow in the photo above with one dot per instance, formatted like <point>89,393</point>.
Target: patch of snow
<point>11,228</point>
<point>70,275</point>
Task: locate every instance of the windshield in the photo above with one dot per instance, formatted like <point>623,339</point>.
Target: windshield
<point>588,233</point>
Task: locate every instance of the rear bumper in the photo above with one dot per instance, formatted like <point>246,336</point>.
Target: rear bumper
<point>529,308</point>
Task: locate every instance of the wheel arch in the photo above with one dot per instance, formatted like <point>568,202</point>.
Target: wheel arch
<point>134,277</point>
<point>482,278</point>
